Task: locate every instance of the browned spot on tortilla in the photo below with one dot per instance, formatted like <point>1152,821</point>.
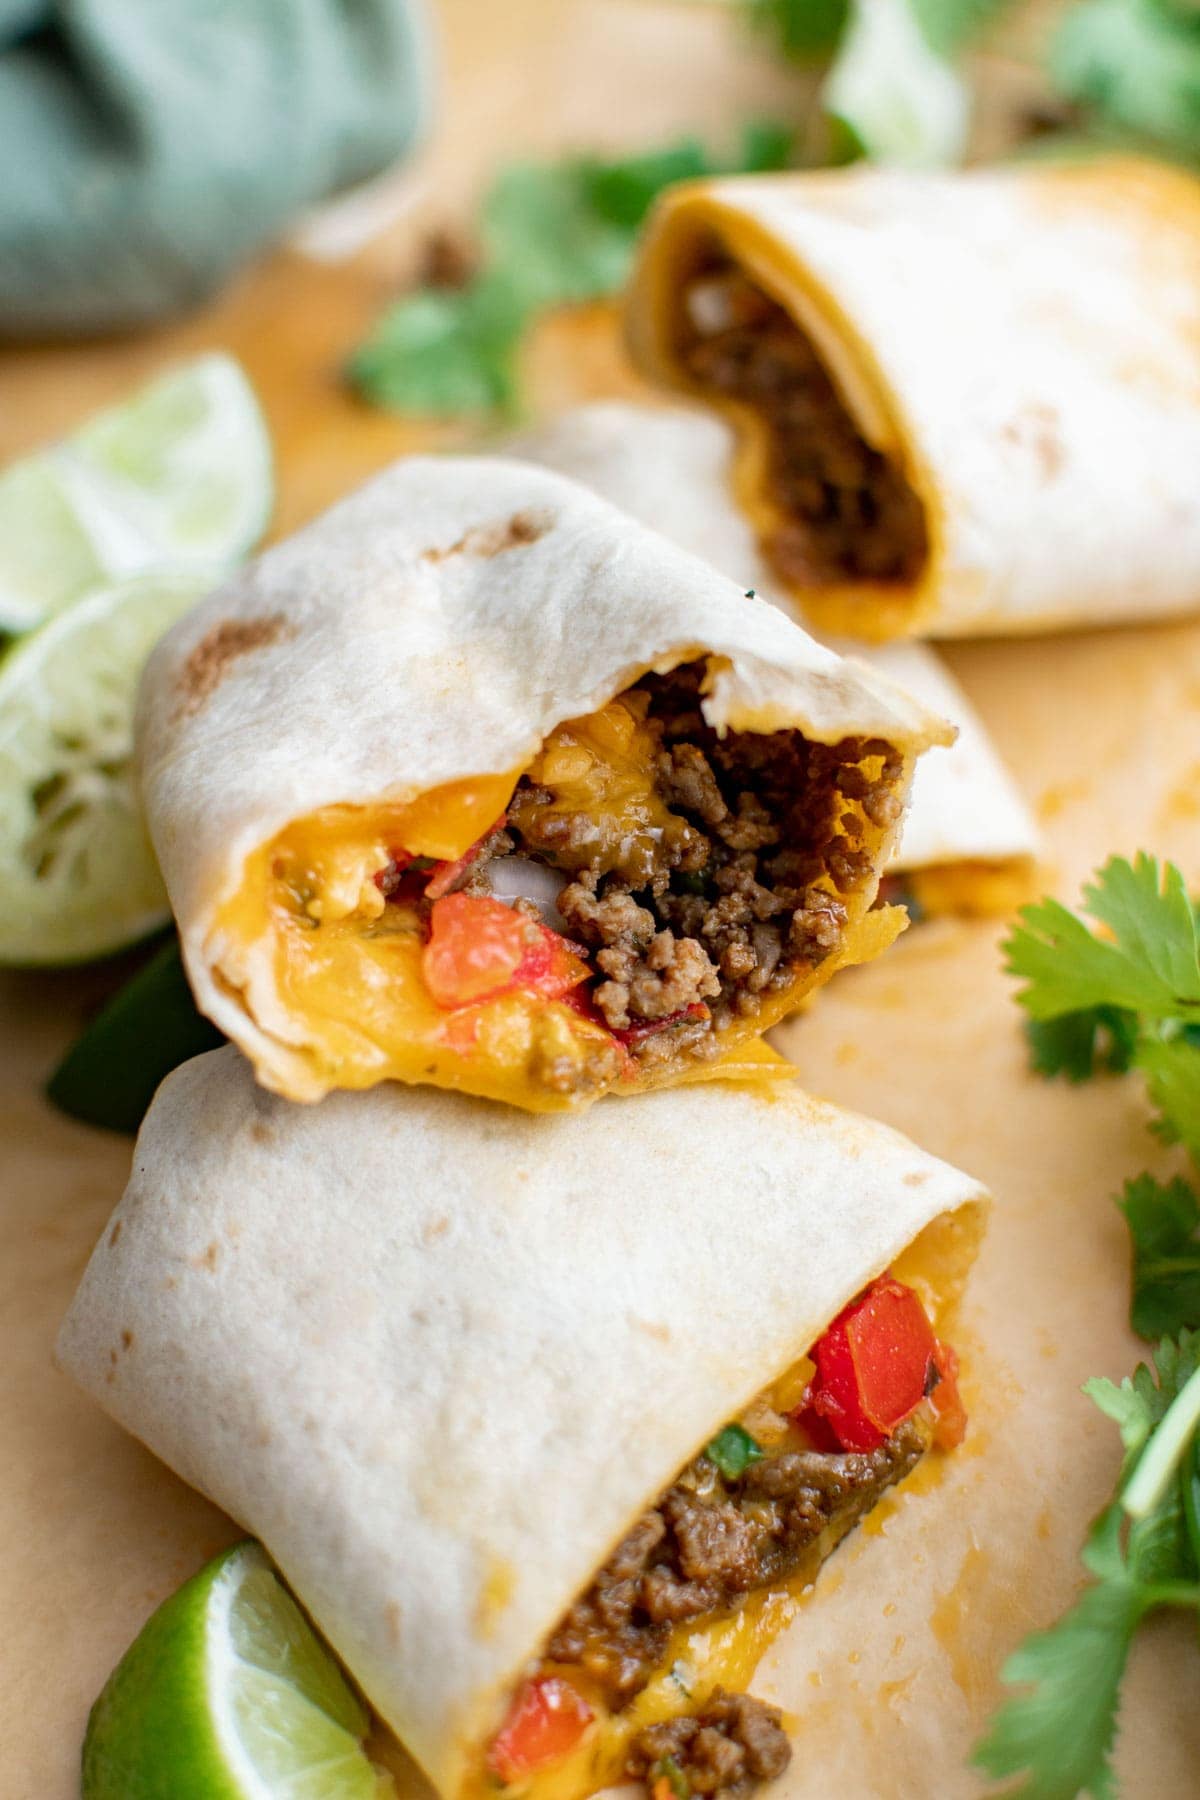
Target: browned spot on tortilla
<point>392,1619</point>
<point>209,1259</point>
<point>916,1178</point>
<point>260,1132</point>
<point>494,539</point>
<point>1035,428</point>
<point>114,1234</point>
<point>218,650</point>
<point>127,1340</point>
<point>436,1228</point>
<point>653,1328</point>
<point>112,1357</point>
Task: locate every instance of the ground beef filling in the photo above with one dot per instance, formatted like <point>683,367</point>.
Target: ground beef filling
<point>851,515</point>
<point>711,1541</point>
<point>727,1748</point>
<point>691,925</point>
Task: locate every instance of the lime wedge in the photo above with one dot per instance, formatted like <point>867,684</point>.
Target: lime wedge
<point>77,875</point>
<point>178,476</point>
<point>227,1694</point>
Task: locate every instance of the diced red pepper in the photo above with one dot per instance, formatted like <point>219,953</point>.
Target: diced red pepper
<point>544,1723</point>
<point>637,1034</point>
<point>950,1415</point>
<point>445,874</point>
<point>876,1363</point>
<point>479,948</point>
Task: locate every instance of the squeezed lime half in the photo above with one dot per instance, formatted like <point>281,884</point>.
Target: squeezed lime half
<point>179,476</point>
<point>78,878</point>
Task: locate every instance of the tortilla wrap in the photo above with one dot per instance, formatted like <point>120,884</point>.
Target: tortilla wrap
<point>396,1337</point>
<point>1018,354</point>
<point>382,679</point>
<point>968,836</point>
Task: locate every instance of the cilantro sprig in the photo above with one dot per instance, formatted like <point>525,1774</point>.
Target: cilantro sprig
<point>1126,997</point>
<point>1123,997</point>
<point>1143,1553</point>
<point>550,234</point>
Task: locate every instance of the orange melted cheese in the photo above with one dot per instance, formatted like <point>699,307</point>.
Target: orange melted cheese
<point>973,889</point>
<point>725,1651</point>
<point>310,928</point>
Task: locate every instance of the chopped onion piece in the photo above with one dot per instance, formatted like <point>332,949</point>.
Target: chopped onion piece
<point>520,878</point>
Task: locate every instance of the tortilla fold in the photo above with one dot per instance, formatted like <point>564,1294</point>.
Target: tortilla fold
<point>969,841</point>
<point>400,1340</point>
<point>1018,354</point>
<point>384,678</point>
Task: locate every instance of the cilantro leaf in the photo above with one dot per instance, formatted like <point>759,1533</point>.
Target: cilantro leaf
<point>540,229</point>
<point>1136,64</point>
<point>800,29</point>
<point>1151,965</point>
<point>444,352</point>
<point>1078,1044</point>
<point>552,234</point>
<point>1164,1224</point>
<point>1060,1734</point>
<point>1144,1398</point>
<point>1172,1070</point>
<point>807,29</point>
<point>1132,1409</point>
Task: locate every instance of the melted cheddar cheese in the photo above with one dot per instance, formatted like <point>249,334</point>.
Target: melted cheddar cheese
<point>333,969</point>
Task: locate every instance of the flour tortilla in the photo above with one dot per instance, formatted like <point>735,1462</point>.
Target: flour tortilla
<point>672,467</point>
<point>439,1355</point>
<point>436,626</point>
<point>1024,342</point>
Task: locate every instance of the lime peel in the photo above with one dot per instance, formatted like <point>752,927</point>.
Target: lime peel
<point>228,1694</point>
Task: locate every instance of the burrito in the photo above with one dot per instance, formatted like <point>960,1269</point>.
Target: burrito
<point>549,1423</point>
<point>969,844</point>
<point>966,403</point>
<point>478,783</point>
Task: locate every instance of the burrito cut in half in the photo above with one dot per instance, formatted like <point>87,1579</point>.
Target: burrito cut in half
<point>549,1423</point>
<point>966,403</point>
<point>969,843</point>
<point>477,782</point>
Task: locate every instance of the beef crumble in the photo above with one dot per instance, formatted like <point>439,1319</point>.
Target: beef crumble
<point>692,922</point>
<point>711,1541</point>
<point>850,513</point>
<point>726,1749</point>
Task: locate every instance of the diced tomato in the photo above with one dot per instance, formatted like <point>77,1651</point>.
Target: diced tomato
<point>876,1363</point>
<point>544,1723</point>
<point>445,874</point>
<point>549,967</point>
<point>950,1414</point>
<point>637,1034</point>
<point>479,948</point>
<point>474,950</point>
